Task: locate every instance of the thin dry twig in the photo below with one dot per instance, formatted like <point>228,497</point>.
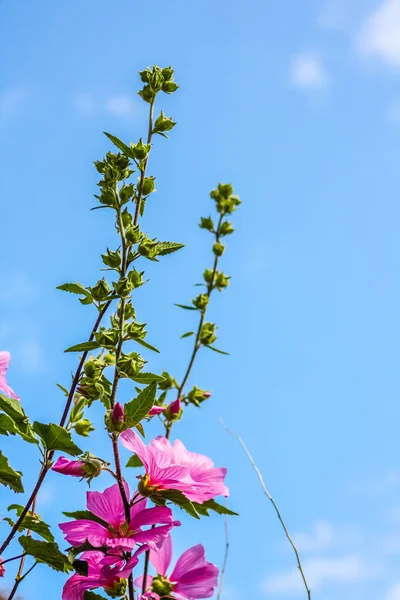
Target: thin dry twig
<point>223,570</point>
<point>264,487</point>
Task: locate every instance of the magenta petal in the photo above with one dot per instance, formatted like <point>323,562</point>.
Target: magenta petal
<point>139,581</point>
<point>156,410</point>
<point>151,516</point>
<point>108,505</point>
<point>189,560</point>
<point>77,532</point>
<point>194,591</point>
<point>69,467</point>
<point>132,441</point>
<point>162,559</point>
<point>76,586</point>
<point>153,537</point>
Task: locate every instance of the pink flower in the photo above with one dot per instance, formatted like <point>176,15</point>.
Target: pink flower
<point>193,577</point>
<point>69,467</point>
<point>108,572</point>
<point>114,531</point>
<point>2,568</point>
<point>4,387</point>
<point>175,407</point>
<point>156,410</point>
<point>172,467</point>
<point>117,414</point>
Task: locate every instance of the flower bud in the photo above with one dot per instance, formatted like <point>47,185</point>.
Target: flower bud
<point>146,93</point>
<point>130,365</point>
<point>115,419</point>
<point>107,338</point>
<point>168,383</point>
<point>118,589</point>
<point>109,359</point>
<point>167,73</point>
<point>83,427</point>
<point>132,234</point>
<point>136,331</point>
<point>221,281</point>
<point>201,301</point>
<point>136,278</point>
<point>100,291</point>
<point>226,228</point>
<point>208,275</point>
<point>218,249</point>
<point>112,259</point>
<point>156,410</point>
<point>148,186</point>
<point>196,396</point>
<point>88,467</point>
<point>163,124</point>
<point>169,87</point>
<point>2,568</point>
<point>174,410</point>
<point>207,223</point>
<point>140,150</point>
<point>148,248</point>
<point>123,287</point>
<point>208,334</point>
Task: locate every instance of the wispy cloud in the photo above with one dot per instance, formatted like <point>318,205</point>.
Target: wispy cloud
<point>85,104</point>
<point>12,101</point>
<point>321,538</point>
<point>118,105</point>
<point>121,106</point>
<point>321,572</point>
<point>308,72</point>
<point>394,593</point>
<point>380,33</point>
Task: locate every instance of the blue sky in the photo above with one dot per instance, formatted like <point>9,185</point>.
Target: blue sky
<point>298,104</point>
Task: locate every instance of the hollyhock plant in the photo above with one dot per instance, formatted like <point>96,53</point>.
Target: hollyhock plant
<point>107,572</point>
<point>193,577</point>
<point>172,467</point>
<point>114,531</point>
<point>4,387</point>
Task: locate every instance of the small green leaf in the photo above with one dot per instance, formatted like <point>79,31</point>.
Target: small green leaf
<point>63,389</point>
<point>37,526</point>
<point>134,461</point>
<point>7,425</point>
<point>164,248</point>
<point>147,345</point>
<point>55,437</point>
<point>10,477</point>
<point>120,145</point>
<point>177,498</point>
<point>187,334</point>
<point>217,350</point>
<point>45,552</point>
<point>86,515</point>
<point>138,408</point>
<point>14,410</point>
<point>218,508</point>
<point>186,307</point>
<point>74,288</point>
<point>92,596</point>
<point>140,429</point>
<point>147,378</point>
<point>84,347</point>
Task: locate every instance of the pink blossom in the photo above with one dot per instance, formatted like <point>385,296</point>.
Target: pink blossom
<point>108,572</point>
<point>193,577</point>
<point>175,407</point>
<point>117,414</point>
<point>172,467</point>
<point>2,568</point>
<point>156,410</point>
<point>114,531</point>
<point>69,467</point>
<point>4,387</point>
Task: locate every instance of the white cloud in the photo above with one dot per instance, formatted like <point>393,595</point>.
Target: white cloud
<point>121,106</point>
<point>322,537</point>
<point>380,33</point>
<point>85,104</point>
<point>11,102</point>
<point>394,593</point>
<point>308,72</point>
<point>321,572</point>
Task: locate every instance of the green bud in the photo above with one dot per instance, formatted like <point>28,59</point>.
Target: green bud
<point>223,196</point>
<point>221,281</point>
<point>163,124</point>
<point>112,259</point>
<point>126,193</point>
<point>169,87</point>
<point>92,466</point>
<point>118,589</point>
<point>208,275</point>
<point>207,223</point>
<point>136,331</point>
<point>132,234</point>
<point>146,94</point>
<point>168,383</point>
<point>148,186</point>
<point>226,228</point>
<point>218,249</point>
<point>109,359</point>
<point>100,291</point>
<point>129,311</point>
<point>136,278</point>
<point>144,75</point>
<point>208,334</point>
<point>93,368</point>
<point>162,586</point>
<point>83,427</point>
<point>148,248</point>
<point>196,396</point>
<point>201,301</point>
<point>126,218</point>
<point>140,150</point>
<point>167,73</point>
<point>130,365</point>
<point>123,287</point>
<point>107,338</point>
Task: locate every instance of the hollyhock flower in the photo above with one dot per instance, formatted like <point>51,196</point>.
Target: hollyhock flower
<point>2,568</point>
<point>175,407</point>
<point>108,572</point>
<point>118,414</point>
<point>193,577</point>
<point>4,387</point>
<point>88,467</point>
<point>172,467</point>
<point>114,531</point>
<point>156,410</point>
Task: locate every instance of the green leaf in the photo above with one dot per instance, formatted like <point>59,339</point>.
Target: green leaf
<point>92,596</point>
<point>216,350</point>
<point>147,378</point>
<point>10,477</point>
<point>74,288</point>
<point>63,389</point>
<point>120,145</point>
<point>187,334</point>
<point>134,461</point>
<point>138,408</point>
<point>186,307</point>
<point>85,514</point>
<point>147,345</point>
<point>37,526</point>
<point>7,425</point>
<point>179,499</point>
<point>84,347</point>
<point>164,248</point>
<point>140,429</point>
<point>14,410</point>
<point>212,505</point>
<point>55,437</point>
<point>46,552</point>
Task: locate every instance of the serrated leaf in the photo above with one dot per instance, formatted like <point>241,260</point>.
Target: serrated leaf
<point>179,499</point>
<point>164,248</point>
<point>37,526</point>
<point>134,461</point>
<point>139,407</point>
<point>187,334</point>
<point>186,307</point>
<point>147,378</point>
<point>86,515</point>
<point>218,508</point>
<point>7,425</point>
<point>74,288</point>
<point>217,350</point>
<point>140,429</point>
<point>84,347</point>
<point>9,477</point>
<point>55,437</point>
<point>120,145</point>
<point>147,345</point>
<point>46,552</point>
<point>13,409</point>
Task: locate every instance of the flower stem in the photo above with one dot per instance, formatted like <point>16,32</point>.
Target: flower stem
<point>18,581</point>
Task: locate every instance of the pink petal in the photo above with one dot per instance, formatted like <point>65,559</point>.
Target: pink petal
<point>132,441</point>
<point>152,516</point>
<point>4,361</point>
<point>153,537</point>
<point>189,560</point>
<point>108,505</point>
<point>162,559</point>
<point>69,467</point>
<point>77,532</point>
<point>139,581</point>
<point>4,387</point>
<point>156,410</point>
<point>76,586</point>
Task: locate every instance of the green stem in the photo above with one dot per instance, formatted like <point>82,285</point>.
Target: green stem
<point>144,168</point>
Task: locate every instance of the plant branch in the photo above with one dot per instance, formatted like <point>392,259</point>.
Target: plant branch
<point>18,581</point>
<point>144,168</point>
<point>264,487</point>
<point>223,570</point>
